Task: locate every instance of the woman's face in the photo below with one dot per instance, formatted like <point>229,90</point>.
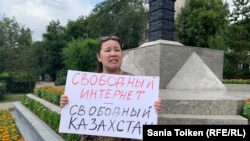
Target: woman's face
<point>110,56</point>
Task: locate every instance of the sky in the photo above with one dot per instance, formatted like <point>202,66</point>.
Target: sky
<point>36,14</point>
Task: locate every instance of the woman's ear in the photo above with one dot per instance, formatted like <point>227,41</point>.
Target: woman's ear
<point>98,57</point>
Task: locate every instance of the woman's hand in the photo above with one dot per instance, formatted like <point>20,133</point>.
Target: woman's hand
<point>158,105</point>
<point>63,100</point>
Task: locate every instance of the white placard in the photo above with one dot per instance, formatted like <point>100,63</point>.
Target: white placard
<point>109,105</point>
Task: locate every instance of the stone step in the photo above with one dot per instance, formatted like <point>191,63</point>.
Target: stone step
<point>175,119</point>
<point>202,107</point>
<point>31,127</point>
<point>203,102</point>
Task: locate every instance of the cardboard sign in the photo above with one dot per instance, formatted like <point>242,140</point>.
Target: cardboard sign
<point>109,105</point>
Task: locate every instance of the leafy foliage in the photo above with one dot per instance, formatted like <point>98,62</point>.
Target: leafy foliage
<point>54,42</point>
<point>15,46</point>
<point>81,55</point>
<point>17,82</point>
<point>246,109</point>
<point>237,59</point>
<point>126,19</point>
<point>16,52</point>
<point>200,20</point>
<point>51,118</point>
<point>77,29</point>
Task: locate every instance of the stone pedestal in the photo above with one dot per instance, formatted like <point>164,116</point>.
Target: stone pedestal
<point>165,58</point>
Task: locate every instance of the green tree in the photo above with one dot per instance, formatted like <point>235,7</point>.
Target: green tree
<point>238,40</point>
<point>126,19</point>
<point>240,18</point>
<point>10,31</point>
<point>77,29</point>
<point>81,55</point>
<point>54,41</point>
<point>16,52</point>
<point>40,56</point>
<point>15,42</point>
<point>200,21</point>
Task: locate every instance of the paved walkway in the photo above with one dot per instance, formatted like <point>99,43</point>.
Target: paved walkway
<point>6,105</point>
<point>42,83</point>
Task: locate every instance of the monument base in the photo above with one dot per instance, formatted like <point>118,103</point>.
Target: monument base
<point>160,42</point>
<point>165,58</point>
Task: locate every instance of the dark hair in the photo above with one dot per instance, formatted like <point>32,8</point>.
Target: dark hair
<point>101,41</point>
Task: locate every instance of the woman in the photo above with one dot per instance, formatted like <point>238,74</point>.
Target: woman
<point>109,56</point>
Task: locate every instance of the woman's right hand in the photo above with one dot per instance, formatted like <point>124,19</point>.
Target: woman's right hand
<point>63,100</point>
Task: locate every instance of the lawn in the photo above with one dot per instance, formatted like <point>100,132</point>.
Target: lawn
<point>11,97</point>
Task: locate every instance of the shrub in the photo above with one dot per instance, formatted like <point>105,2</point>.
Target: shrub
<point>60,81</point>
<point>246,109</point>
<point>2,89</point>
<point>80,54</point>
<point>18,82</point>
<point>236,81</point>
<point>51,94</point>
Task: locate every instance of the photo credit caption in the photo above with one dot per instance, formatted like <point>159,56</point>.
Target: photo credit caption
<point>204,132</point>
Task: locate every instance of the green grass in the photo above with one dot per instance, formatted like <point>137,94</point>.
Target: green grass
<point>10,97</point>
